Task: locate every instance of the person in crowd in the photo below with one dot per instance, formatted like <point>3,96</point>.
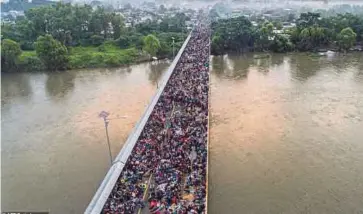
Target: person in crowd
<point>172,147</point>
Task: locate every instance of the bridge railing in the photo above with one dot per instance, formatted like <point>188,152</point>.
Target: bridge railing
<point>104,190</point>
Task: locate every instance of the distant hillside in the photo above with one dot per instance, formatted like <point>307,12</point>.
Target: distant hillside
<point>23,5</point>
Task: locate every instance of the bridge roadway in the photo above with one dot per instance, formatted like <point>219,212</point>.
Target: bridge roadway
<point>105,188</point>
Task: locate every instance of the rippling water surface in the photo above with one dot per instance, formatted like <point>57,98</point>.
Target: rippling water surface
<point>286,135</point>
<point>54,151</point>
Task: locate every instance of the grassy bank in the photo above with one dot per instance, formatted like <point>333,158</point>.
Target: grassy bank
<point>102,56</point>
<point>106,55</point>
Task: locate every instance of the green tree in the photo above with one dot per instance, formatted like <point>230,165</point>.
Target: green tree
<point>151,44</point>
<point>10,51</point>
<point>100,22</point>
<point>278,25</point>
<point>80,24</point>
<point>123,42</point>
<point>281,44</point>
<point>97,40</point>
<point>41,19</point>
<point>8,31</point>
<point>235,33</point>
<point>312,38</point>
<point>26,34</point>
<point>166,43</point>
<point>337,23</point>
<point>307,20</point>
<point>264,36</point>
<point>346,38</point>
<point>217,45</point>
<point>52,53</point>
<point>294,35</point>
<point>117,25</point>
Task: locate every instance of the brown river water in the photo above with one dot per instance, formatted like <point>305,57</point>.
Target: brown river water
<point>286,133</point>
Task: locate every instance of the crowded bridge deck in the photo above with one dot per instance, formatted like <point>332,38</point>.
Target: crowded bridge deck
<point>163,166</point>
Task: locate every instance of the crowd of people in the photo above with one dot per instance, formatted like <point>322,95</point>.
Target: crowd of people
<point>170,156</point>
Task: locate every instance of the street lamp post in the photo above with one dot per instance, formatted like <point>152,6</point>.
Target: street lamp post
<point>173,47</point>
<point>104,115</point>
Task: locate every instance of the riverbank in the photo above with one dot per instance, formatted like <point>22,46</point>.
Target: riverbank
<point>318,53</point>
<point>86,57</point>
<point>310,32</point>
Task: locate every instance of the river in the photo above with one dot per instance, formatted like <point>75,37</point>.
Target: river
<point>54,150</point>
<point>286,133</point>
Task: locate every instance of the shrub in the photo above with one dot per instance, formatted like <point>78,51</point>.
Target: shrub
<point>53,54</point>
<point>112,60</point>
<point>97,40</point>
<point>123,42</point>
<point>29,62</point>
<point>10,51</point>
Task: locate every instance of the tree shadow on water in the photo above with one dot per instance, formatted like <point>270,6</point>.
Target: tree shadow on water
<point>231,66</point>
<point>218,66</point>
<point>263,65</point>
<point>359,74</point>
<point>15,86</point>
<point>156,71</point>
<point>59,84</point>
<point>241,66</point>
<point>304,67</point>
<point>277,59</point>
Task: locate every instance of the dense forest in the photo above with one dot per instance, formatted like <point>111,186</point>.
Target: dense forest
<point>63,36</point>
<point>23,5</point>
<point>310,33</point>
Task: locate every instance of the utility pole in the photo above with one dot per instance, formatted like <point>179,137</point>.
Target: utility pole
<point>173,47</point>
<point>104,115</point>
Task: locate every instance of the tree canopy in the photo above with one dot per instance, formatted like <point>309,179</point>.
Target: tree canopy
<point>151,44</point>
<point>51,52</point>
<point>61,36</point>
<point>10,51</point>
<point>311,33</point>
<point>71,25</point>
<point>346,38</point>
<point>234,34</point>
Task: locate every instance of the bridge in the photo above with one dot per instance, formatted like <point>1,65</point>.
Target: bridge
<point>165,157</point>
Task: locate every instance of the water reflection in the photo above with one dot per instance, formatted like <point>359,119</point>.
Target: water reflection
<point>128,69</point>
<point>241,66</point>
<point>343,61</point>
<point>278,146</point>
<point>15,85</point>
<point>231,66</point>
<point>57,149</point>
<point>238,66</point>
<point>263,65</point>
<point>217,65</point>
<point>359,74</point>
<point>156,71</point>
<point>59,84</point>
<point>303,66</point>
<point>277,59</point>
